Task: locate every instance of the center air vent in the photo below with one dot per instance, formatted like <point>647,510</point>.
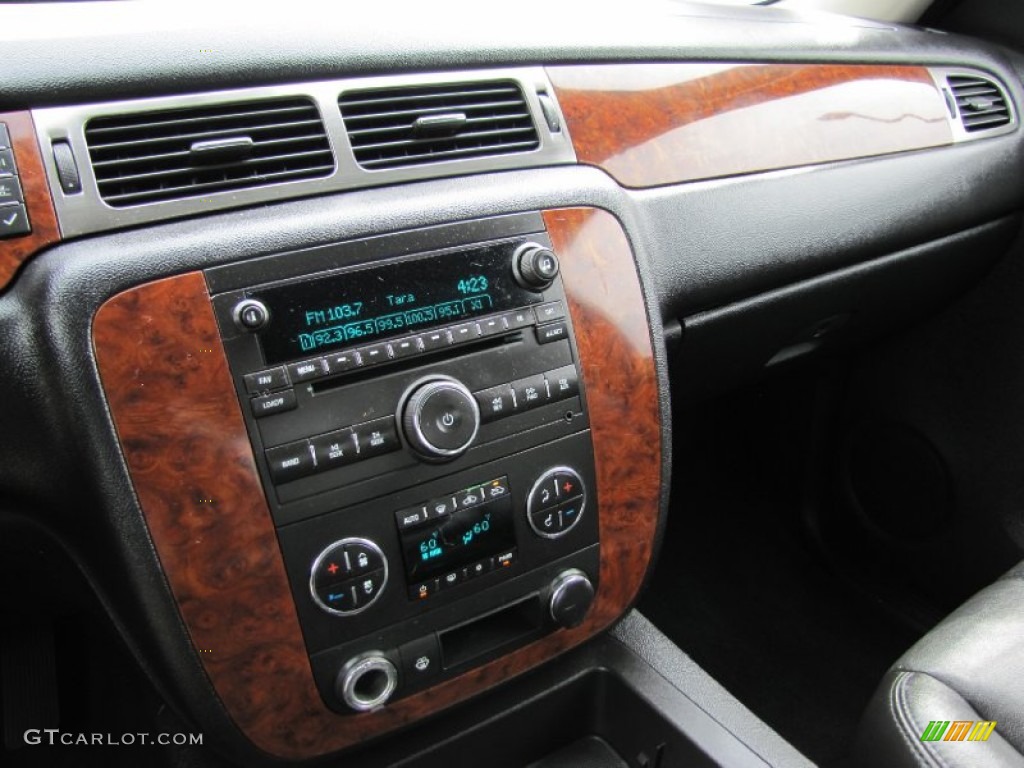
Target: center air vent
<point>979,102</point>
<point>167,155</point>
<point>418,125</point>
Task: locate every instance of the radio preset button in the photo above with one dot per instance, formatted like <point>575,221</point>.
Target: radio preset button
<point>340,362</point>
<point>306,370</point>
<point>406,347</point>
<point>491,326</point>
<point>546,334</point>
<point>290,462</point>
<point>268,405</point>
<point>552,310</point>
<point>375,353</point>
<point>262,381</point>
<point>464,332</point>
<point>435,339</point>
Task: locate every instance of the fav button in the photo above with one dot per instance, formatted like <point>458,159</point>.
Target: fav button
<point>262,381</point>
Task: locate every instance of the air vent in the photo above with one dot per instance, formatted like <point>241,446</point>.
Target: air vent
<point>420,125</point>
<point>156,156</point>
<point>979,102</point>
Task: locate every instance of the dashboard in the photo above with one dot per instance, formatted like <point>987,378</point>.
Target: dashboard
<point>349,348</point>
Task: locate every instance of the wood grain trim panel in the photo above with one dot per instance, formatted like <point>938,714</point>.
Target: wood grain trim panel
<point>36,190</point>
<point>167,382</point>
<point>651,124</point>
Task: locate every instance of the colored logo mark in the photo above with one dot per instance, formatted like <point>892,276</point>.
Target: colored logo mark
<point>958,730</point>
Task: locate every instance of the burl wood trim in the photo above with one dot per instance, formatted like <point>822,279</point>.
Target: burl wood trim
<point>184,440</point>
<point>38,201</point>
<point>651,124</point>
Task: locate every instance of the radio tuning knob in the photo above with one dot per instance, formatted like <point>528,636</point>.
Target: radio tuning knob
<point>571,597</point>
<point>535,267</point>
<point>440,418</point>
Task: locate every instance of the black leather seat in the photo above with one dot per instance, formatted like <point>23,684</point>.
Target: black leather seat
<point>969,668</point>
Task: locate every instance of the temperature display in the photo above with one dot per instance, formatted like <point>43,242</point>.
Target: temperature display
<point>397,298</point>
<point>458,539</point>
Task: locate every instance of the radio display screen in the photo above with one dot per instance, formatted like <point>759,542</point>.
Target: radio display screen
<point>395,299</point>
<point>459,539</point>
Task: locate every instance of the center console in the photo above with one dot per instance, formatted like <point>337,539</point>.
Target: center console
<point>422,438</point>
<point>388,473</point>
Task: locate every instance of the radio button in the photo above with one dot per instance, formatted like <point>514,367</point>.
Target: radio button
<point>335,449</point>
<point>268,405</point>
<point>546,334</point>
<point>520,318</point>
<point>491,326</point>
<point>435,339</point>
<point>495,403</point>
<point>290,462</point>
<point>465,332</point>
<point>375,437</point>
<point>552,310</point>
<point>530,392</point>
<point>563,383</point>
<point>340,362</point>
<point>262,381</point>
<point>375,353</point>
<point>406,347</point>
<point>306,370</point>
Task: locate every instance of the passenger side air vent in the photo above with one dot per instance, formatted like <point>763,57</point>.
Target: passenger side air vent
<point>419,125</point>
<point>168,155</point>
<point>980,103</point>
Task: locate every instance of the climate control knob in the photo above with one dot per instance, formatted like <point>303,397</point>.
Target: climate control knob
<point>534,266</point>
<point>571,597</point>
<point>440,418</point>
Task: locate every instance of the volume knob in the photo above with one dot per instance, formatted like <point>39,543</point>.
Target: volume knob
<point>440,418</point>
<point>534,266</point>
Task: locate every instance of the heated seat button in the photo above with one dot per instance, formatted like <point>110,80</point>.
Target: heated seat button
<point>421,659</point>
<point>290,462</point>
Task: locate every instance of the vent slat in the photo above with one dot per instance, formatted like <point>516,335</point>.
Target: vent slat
<point>145,157</point>
<point>381,124</point>
<point>189,190</point>
<point>981,104</point>
<point>518,116</point>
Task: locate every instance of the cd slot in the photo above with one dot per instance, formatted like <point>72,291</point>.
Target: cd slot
<point>431,358</point>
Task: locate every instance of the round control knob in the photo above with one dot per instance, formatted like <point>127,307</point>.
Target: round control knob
<point>440,418</point>
<point>571,596</point>
<point>348,576</point>
<point>555,504</point>
<point>535,267</point>
<point>251,315</point>
<point>366,681</point>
